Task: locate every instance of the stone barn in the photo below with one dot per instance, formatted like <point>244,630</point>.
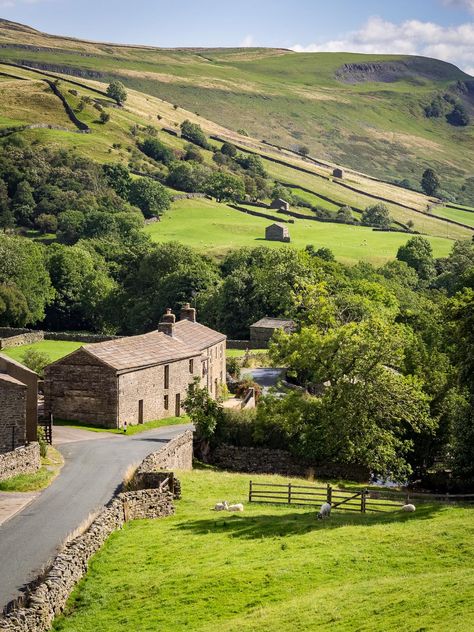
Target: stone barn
<point>280,205</point>
<point>138,378</point>
<point>338,173</point>
<point>18,404</point>
<point>263,330</point>
<point>277,232</point>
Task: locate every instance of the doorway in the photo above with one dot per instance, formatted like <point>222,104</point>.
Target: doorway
<point>140,411</point>
<point>178,405</point>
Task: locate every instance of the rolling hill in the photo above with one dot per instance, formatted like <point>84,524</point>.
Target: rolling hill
<point>361,111</point>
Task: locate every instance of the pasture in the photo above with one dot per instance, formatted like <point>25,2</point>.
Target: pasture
<point>55,349</point>
<point>216,228</point>
<point>277,568</point>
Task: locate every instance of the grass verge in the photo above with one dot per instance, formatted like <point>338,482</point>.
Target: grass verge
<point>131,430</point>
<point>278,569</point>
<point>50,468</point>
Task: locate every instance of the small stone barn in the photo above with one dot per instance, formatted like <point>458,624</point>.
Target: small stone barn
<point>338,173</point>
<point>277,232</point>
<point>280,205</point>
<point>138,378</point>
<point>18,404</point>
<point>263,330</point>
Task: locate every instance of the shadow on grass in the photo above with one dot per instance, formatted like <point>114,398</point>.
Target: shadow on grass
<point>281,525</point>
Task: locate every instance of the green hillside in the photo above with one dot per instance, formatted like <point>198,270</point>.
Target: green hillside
<point>362,111</point>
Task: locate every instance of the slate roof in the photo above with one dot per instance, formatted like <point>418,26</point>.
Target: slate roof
<point>4,377</point>
<point>197,335</point>
<point>274,323</point>
<point>137,352</point>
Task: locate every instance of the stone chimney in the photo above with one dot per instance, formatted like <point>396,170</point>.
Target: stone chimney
<point>187,313</point>
<point>166,325</point>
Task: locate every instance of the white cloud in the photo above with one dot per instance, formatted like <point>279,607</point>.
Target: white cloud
<point>247,41</point>
<point>9,4</point>
<point>412,37</point>
<point>462,4</point>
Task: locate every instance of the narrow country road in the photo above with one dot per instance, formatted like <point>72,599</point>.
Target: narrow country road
<point>92,471</point>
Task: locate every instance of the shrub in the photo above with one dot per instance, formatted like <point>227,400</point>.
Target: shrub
<point>43,445</point>
<point>155,149</point>
<point>377,215</point>
<point>46,223</point>
<point>35,360</point>
<point>104,117</point>
<point>193,133</point>
<point>233,367</point>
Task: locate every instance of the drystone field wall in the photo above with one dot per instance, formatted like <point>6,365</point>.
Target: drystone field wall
<point>24,460</point>
<point>10,337</point>
<point>268,461</point>
<point>49,597</point>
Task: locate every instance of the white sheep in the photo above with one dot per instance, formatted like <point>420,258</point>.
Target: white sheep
<point>221,506</point>
<point>237,507</point>
<point>325,511</point>
<point>409,508</point>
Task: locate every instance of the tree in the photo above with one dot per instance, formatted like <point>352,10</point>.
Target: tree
<point>228,149</point>
<point>23,203</point>
<point>430,182</point>
<point>193,132</point>
<point>193,154</point>
<point>13,307</point>
<point>70,226</point>
<point>344,215</point>
<point>303,150</point>
<point>116,90</point>
<point>205,413</point>
<point>325,253</point>
<point>22,264</point>
<point>377,215</point>
<point>458,116</point>
<point>36,360</point>
<point>181,177</point>
<point>157,150</point>
<point>104,117</point>
<point>6,216</point>
<point>46,223</point>
<point>118,178</point>
<point>225,187</point>
<point>418,254</point>
<point>150,196</point>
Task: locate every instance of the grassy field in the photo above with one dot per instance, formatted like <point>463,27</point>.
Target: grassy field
<point>131,430</point>
<point>55,349</point>
<point>458,215</point>
<point>215,228</point>
<point>50,468</point>
<point>278,569</point>
<point>239,353</point>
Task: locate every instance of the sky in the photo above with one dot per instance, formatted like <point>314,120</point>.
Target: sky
<point>435,28</point>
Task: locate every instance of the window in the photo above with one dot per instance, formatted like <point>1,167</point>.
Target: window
<point>166,402</point>
<point>167,376</point>
<point>191,366</point>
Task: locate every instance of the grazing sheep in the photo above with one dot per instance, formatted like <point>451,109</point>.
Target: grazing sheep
<point>221,506</point>
<point>237,507</point>
<point>410,508</point>
<point>325,511</point>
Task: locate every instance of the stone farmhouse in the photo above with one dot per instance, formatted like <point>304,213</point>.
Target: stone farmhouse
<point>137,378</point>
<point>277,232</point>
<point>18,404</point>
<point>263,330</point>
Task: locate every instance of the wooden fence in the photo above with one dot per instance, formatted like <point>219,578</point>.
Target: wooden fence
<point>362,500</point>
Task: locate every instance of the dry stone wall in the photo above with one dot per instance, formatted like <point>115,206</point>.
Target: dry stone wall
<point>268,461</point>
<point>24,460</point>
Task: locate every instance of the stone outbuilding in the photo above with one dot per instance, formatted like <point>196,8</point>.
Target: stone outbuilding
<point>263,330</point>
<point>137,378</point>
<point>338,173</point>
<point>280,204</point>
<point>18,404</point>
<point>277,232</point>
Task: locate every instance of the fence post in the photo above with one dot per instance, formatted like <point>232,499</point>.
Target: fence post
<point>363,496</point>
<point>289,493</point>
<point>329,494</point>
<point>250,492</point>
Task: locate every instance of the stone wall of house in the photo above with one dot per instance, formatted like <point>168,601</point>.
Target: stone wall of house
<point>267,461</point>
<point>12,415</point>
<point>214,368</point>
<point>148,386</point>
<point>80,388</point>
<point>23,460</point>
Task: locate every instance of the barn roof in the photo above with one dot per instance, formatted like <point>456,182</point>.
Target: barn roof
<point>274,323</point>
<point>282,226</point>
<point>9,380</point>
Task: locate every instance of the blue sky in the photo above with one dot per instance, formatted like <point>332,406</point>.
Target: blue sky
<point>439,28</point>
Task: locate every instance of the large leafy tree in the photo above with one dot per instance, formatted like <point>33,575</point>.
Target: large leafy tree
<point>116,90</point>
<point>377,215</point>
<point>418,254</point>
<point>225,187</point>
<point>430,182</point>
<point>151,197</point>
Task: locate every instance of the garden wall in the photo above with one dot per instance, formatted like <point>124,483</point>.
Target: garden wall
<point>23,460</point>
<point>268,461</point>
<point>10,337</point>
